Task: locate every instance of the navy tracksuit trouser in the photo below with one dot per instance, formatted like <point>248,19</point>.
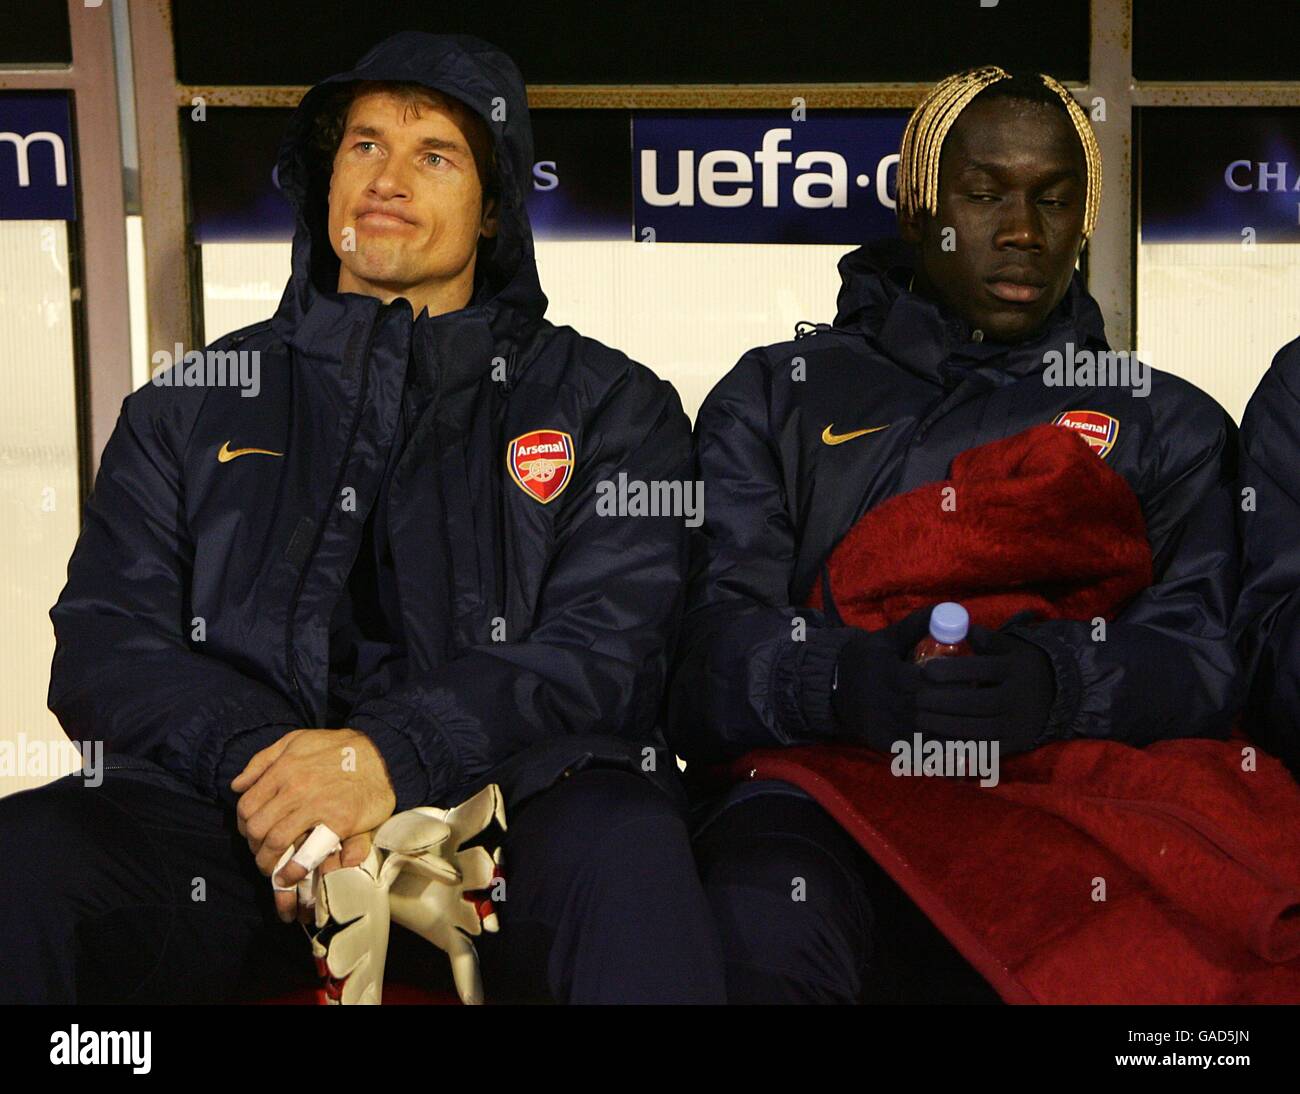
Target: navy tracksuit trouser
<point>141,890</point>
<point>807,917</point>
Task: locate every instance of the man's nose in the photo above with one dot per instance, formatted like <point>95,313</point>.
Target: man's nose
<point>1021,226</point>
<point>390,182</point>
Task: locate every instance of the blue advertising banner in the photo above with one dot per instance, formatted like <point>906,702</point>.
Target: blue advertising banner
<point>1220,175</point>
<point>764,177</point>
<point>582,174</point>
<point>708,177</point>
<point>581,185</point>
<point>36,160</point>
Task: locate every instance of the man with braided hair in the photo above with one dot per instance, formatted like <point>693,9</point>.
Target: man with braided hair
<point>943,341</point>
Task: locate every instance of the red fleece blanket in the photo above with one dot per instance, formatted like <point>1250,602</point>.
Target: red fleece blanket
<point>1093,872</point>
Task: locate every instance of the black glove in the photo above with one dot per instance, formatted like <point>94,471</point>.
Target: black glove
<point>876,682</point>
<point>1003,691</point>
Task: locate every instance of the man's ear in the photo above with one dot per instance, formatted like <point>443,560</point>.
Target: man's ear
<point>488,225</point>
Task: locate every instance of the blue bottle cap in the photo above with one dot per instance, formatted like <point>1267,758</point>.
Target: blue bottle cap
<point>949,623</point>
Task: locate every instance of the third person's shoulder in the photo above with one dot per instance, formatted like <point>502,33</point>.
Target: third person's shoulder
<point>1278,393</point>
<point>1188,424</point>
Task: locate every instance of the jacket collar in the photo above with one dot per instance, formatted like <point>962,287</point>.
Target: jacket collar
<point>924,337</point>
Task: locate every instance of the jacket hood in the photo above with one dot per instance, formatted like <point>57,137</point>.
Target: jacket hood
<point>507,293</point>
<point>919,333</point>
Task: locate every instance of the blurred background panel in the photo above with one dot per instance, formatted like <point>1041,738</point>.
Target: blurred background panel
<point>1207,40</point>
<point>646,41</point>
<point>1218,254</point>
<point>42,36</point>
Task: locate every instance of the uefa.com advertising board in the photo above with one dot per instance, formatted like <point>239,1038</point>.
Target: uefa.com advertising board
<point>706,177</point>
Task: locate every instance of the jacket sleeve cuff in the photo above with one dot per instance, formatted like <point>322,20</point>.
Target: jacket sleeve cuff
<point>420,770</point>
<point>802,681</point>
<point>241,748</point>
<point>1069,679</point>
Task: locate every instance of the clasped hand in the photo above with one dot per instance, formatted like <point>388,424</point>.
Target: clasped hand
<point>1003,690</point>
<point>309,777</point>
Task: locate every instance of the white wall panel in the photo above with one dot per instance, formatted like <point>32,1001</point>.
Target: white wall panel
<point>1212,313</point>
<point>38,485</point>
<point>687,310</point>
<point>1216,313</point>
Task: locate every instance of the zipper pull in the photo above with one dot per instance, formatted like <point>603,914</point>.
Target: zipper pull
<point>805,327</point>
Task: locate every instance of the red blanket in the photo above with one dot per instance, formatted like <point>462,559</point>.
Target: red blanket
<point>1093,872</point>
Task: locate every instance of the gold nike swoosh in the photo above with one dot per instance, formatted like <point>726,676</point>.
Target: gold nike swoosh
<point>832,438</point>
<point>226,453</point>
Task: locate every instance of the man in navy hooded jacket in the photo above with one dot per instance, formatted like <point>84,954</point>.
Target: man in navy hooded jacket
<point>1267,621</point>
<point>391,554</point>
<point>939,346</point>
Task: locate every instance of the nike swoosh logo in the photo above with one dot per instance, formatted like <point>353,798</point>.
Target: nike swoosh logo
<point>839,438</point>
<point>226,453</point>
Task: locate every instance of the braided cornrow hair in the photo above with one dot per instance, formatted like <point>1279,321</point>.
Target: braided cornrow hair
<point>927,129</point>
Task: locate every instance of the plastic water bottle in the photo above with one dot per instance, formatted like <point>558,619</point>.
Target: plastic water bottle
<point>949,625</point>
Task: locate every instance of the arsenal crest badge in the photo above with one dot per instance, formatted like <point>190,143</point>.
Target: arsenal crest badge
<point>1098,429</point>
<point>541,463</point>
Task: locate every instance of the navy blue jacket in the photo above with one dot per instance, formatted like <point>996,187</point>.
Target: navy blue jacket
<point>1268,614</point>
<point>528,638</point>
<point>777,499</point>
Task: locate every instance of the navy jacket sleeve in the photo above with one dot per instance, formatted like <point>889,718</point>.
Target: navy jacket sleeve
<point>1166,666</point>
<point>754,669</point>
<point>1267,622</point>
<point>125,670</point>
<point>595,661</point>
